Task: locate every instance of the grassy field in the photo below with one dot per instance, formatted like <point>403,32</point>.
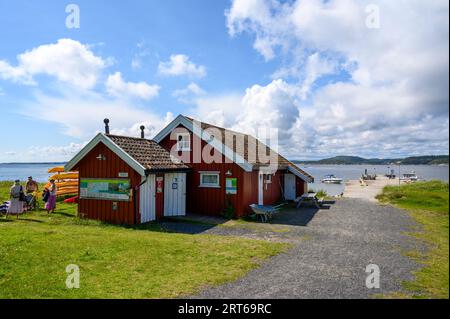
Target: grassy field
<point>114,261</point>
<point>428,204</point>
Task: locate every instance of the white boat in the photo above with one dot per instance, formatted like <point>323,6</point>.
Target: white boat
<point>331,179</point>
<point>409,177</point>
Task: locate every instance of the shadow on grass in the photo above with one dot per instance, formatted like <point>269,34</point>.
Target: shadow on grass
<point>64,214</point>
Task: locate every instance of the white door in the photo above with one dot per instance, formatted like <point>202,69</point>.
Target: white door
<point>261,189</point>
<point>147,200</point>
<point>175,194</point>
<point>289,186</point>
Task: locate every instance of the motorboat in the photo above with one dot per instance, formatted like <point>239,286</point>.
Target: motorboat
<point>331,179</point>
<point>409,177</point>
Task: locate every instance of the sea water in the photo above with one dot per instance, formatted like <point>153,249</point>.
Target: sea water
<point>354,172</point>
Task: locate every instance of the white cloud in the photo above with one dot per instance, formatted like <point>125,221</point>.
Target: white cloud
<point>143,52</point>
<point>390,86</point>
<point>44,153</point>
<point>80,114</point>
<point>116,86</point>
<point>221,110</point>
<point>185,95</point>
<point>180,64</point>
<point>67,60</point>
<point>273,106</point>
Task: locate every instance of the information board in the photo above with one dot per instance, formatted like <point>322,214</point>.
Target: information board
<point>113,189</point>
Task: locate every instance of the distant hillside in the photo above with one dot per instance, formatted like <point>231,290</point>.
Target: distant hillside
<point>355,160</point>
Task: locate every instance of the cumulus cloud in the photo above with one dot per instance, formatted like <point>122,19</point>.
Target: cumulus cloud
<point>180,64</point>
<point>390,84</point>
<point>116,86</point>
<point>273,106</point>
<point>67,60</point>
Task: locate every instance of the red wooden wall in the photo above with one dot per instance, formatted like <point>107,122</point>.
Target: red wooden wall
<point>212,201</point>
<point>90,167</point>
<point>300,186</point>
<point>272,191</point>
<point>250,191</point>
<point>159,198</point>
<point>204,200</point>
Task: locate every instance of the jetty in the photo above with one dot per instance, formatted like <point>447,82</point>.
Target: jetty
<point>367,189</point>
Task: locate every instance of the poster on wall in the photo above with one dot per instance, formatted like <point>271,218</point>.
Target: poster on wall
<point>231,186</point>
<point>113,189</point>
<point>159,184</point>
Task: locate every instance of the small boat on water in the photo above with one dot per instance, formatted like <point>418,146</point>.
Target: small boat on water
<point>409,177</point>
<point>331,179</point>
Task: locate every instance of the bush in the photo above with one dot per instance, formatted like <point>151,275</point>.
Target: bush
<point>321,193</point>
<point>229,211</point>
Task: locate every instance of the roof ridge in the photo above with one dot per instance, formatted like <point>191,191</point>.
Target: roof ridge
<point>220,127</point>
<point>132,137</point>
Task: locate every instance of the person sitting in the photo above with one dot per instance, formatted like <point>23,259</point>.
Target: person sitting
<point>31,186</point>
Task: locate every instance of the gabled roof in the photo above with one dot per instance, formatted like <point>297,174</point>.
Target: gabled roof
<point>142,155</point>
<point>148,153</point>
<point>229,148</point>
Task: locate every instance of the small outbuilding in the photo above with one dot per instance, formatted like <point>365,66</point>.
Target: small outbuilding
<point>128,180</point>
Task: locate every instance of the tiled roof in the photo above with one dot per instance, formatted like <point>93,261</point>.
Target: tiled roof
<point>148,153</point>
<point>251,142</point>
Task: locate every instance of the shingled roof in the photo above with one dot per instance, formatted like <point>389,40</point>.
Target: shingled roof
<point>251,142</point>
<point>148,153</point>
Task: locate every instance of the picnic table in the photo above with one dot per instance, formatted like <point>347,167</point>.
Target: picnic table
<point>310,198</point>
<point>265,212</point>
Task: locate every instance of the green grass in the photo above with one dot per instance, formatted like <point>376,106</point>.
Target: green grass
<point>428,204</point>
<point>114,261</point>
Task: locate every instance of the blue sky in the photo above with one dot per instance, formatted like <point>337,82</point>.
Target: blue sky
<point>298,66</point>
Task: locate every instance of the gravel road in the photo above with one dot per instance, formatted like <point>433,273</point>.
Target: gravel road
<point>331,249</point>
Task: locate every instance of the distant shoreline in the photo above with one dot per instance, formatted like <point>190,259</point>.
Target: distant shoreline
<point>356,160</point>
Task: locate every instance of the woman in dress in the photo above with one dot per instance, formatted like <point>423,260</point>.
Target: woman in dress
<point>50,205</point>
<point>16,195</point>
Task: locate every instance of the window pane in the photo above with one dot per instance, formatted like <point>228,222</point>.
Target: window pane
<point>210,179</point>
<point>183,142</point>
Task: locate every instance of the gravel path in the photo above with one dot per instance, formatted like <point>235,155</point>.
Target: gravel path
<point>330,255</point>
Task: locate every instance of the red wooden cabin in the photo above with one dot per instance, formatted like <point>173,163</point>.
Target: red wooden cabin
<point>188,167</point>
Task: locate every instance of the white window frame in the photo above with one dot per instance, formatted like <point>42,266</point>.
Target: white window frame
<point>210,185</point>
<point>186,148</point>
<point>268,178</point>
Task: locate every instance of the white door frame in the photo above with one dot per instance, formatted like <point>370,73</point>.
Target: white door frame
<point>174,199</point>
<point>147,200</point>
<point>290,187</point>
<point>260,188</point>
